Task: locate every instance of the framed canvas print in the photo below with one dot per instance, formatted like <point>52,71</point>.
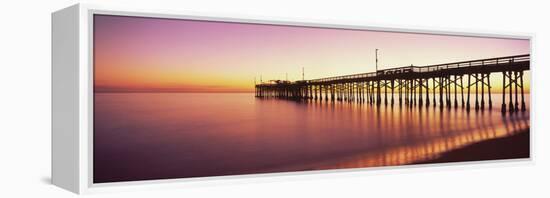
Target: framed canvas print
<point>155,97</point>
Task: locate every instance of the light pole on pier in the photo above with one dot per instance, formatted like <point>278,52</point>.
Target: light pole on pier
<point>303,73</point>
<point>376,55</point>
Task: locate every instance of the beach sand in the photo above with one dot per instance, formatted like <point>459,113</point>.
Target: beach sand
<point>511,147</point>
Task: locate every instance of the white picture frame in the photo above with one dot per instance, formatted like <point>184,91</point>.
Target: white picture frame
<point>72,97</point>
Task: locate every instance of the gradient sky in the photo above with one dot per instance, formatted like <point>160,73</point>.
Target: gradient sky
<point>151,54</point>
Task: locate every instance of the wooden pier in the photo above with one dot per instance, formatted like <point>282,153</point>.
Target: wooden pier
<point>416,85</point>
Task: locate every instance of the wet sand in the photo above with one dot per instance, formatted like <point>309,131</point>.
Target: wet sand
<point>511,147</point>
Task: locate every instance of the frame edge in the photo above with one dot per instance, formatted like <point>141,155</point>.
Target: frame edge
<point>65,112</point>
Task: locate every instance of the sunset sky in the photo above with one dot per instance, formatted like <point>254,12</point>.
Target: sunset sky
<point>151,54</point>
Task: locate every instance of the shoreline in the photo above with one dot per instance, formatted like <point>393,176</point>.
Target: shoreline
<point>516,146</point>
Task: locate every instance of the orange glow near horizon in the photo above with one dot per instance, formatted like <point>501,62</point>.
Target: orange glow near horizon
<point>152,54</point>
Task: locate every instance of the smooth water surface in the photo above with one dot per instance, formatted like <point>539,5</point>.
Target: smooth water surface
<point>140,136</point>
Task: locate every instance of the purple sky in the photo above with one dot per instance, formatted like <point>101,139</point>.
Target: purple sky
<point>133,53</point>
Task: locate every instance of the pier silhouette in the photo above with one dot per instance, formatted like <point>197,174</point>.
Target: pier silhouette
<point>413,85</point>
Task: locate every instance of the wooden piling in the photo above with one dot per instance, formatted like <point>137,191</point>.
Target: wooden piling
<point>448,90</point>
<point>503,107</point>
<point>516,82</point>
<point>462,90</point>
<point>392,91</point>
<point>420,87</point>
<point>433,84</point>
<point>427,92</point>
<point>455,89</point>
<point>489,90</point>
<point>468,95</point>
<point>511,102</point>
<point>441,103</point>
<point>477,102</point>
<point>482,107</point>
<point>400,90</point>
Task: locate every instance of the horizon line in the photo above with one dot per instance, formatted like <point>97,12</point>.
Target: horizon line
<point>152,91</point>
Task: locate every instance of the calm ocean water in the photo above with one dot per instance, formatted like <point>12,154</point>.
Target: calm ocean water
<point>139,136</point>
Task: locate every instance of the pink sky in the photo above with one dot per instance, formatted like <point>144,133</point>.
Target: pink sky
<point>151,54</point>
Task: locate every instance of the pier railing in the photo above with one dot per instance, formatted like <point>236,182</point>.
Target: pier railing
<point>430,68</point>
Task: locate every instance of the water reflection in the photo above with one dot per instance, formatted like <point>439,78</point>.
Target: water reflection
<point>433,148</point>
<point>141,136</point>
<point>408,135</point>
